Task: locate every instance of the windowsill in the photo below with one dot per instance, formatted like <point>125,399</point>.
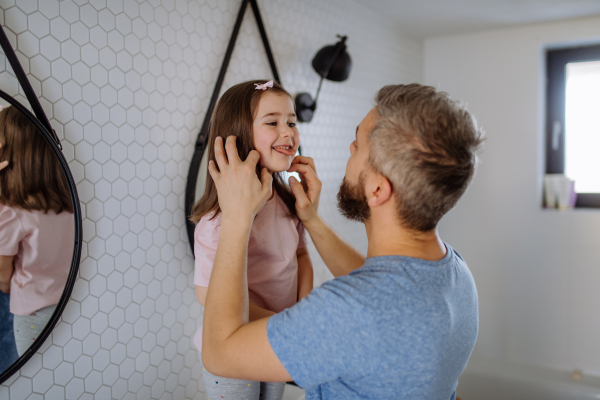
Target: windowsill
<point>571,210</point>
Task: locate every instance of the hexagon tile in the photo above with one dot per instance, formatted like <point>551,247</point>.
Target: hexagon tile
<point>126,85</point>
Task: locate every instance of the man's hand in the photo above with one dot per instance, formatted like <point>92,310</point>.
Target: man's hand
<point>308,192</point>
<point>339,256</point>
<point>241,194</point>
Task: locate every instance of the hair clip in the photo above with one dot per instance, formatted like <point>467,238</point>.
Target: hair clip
<point>264,86</point>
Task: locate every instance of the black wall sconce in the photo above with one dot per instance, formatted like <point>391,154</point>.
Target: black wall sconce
<point>332,63</point>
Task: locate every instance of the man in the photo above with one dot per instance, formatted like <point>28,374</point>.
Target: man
<point>400,324</point>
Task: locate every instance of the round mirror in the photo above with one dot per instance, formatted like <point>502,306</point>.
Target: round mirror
<point>40,234</point>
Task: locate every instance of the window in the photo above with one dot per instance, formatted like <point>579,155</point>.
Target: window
<point>573,119</point>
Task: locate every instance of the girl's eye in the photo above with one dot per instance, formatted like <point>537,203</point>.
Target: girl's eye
<point>292,124</point>
<point>272,123</point>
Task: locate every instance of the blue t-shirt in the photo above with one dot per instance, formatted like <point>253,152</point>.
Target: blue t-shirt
<point>396,328</point>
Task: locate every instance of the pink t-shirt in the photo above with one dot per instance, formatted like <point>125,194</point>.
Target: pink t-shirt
<point>43,248</point>
<point>272,262</point>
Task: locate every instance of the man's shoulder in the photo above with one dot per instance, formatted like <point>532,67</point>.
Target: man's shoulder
<point>387,269</point>
<point>401,286</point>
<point>391,285</point>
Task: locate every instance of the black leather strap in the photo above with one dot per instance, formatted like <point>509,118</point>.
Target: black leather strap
<point>26,85</point>
<point>263,36</point>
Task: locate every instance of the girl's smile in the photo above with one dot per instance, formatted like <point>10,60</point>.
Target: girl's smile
<point>285,150</point>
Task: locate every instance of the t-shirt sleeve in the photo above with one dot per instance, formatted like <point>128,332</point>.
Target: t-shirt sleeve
<point>324,337</point>
<point>11,231</point>
<point>302,240</point>
<point>206,239</point>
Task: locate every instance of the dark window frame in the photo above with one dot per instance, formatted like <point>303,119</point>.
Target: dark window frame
<point>556,61</point>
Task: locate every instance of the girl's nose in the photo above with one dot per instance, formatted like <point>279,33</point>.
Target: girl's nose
<point>287,132</point>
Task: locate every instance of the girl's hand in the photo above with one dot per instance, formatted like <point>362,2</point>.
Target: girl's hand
<point>241,194</point>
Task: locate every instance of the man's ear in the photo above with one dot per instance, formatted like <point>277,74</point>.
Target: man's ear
<point>378,189</point>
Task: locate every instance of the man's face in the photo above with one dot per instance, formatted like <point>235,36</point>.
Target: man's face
<point>352,201</point>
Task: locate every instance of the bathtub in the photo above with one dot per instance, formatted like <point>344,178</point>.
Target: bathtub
<point>485,380</point>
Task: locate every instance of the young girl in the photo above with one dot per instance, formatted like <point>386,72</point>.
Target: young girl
<point>36,226</point>
<point>261,114</point>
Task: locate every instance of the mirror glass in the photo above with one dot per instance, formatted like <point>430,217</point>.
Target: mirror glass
<point>37,229</point>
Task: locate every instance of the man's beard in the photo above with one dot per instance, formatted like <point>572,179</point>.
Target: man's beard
<point>352,202</point>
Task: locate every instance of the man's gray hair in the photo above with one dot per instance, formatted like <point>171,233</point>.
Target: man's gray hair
<point>426,145</point>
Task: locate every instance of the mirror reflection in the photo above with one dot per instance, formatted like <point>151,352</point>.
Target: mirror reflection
<point>36,234</point>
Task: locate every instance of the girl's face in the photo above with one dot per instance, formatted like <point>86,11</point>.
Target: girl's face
<point>276,136</point>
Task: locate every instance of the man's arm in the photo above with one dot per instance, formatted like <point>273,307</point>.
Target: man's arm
<point>338,255</point>
<point>6,271</point>
<point>305,273</point>
<point>232,347</point>
<point>255,312</point>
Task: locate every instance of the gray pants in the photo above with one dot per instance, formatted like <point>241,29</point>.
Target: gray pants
<point>28,327</point>
<point>218,388</point>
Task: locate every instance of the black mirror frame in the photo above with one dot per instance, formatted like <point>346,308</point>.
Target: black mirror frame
<point>49,137</point>
<point>202,139</point>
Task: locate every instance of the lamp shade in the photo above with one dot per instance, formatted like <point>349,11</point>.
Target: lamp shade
<point>335,58</point>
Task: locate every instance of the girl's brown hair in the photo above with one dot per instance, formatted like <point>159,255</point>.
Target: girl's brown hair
<point>33,178</point>
<point>234,115</point>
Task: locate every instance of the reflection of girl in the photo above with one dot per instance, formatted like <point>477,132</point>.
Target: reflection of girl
<point>262,117</point>
<point>36,226</point>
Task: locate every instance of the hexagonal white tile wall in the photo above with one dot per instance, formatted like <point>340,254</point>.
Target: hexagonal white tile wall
<point>126,85</point>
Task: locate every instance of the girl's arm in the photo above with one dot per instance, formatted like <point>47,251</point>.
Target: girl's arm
<point>255,311</point>
<point>6,271</point>
<point>305,273</point>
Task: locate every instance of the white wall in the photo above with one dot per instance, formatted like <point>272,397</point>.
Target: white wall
<point>126,85</point>
<point>537,272</point>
